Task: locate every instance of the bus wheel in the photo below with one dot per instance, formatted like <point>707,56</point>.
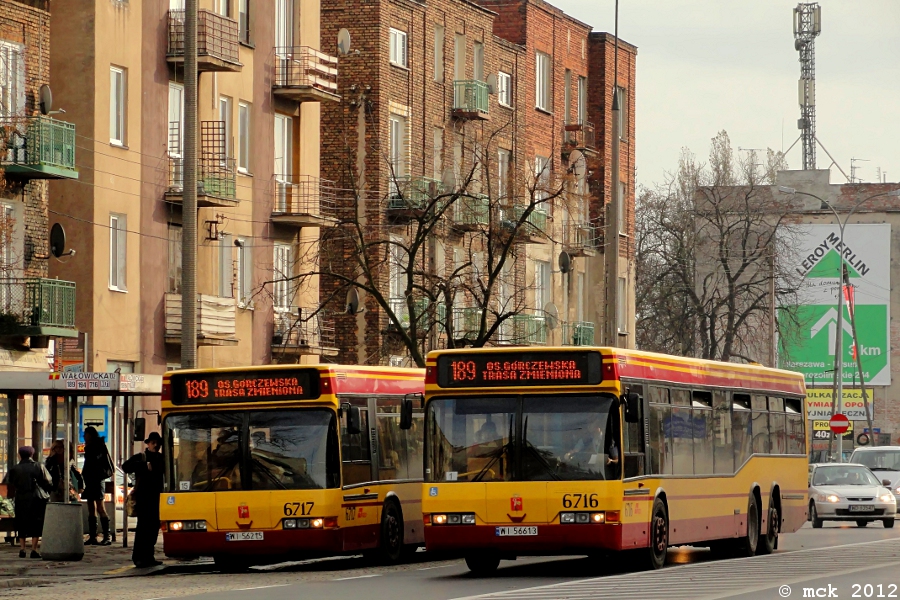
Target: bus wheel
<point>814,516</point>
<point>768,541</point>
<point>659,535</point>
<point>482,564</point>
<point>391,533</point>
<point>746,545</point>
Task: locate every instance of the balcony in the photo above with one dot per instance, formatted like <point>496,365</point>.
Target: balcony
<point>217,41</point>
<point>470,99</point>
<point>38,147</point>
<point>297,336</point>
<point>581,239</point>
<point>531,231</point>
<point>304,74</point>
<point>216,182</point>
<point>304,201</point>
<point>471,213</point>
<point>401,310</point>
<point>578,136</point>
<point>578,333</point>
<point>410,196</point>
<point>215,320</point>
<point>32,306</point>
<point>529,330</point>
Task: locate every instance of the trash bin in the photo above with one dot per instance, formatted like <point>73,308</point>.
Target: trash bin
<point>62,536</point>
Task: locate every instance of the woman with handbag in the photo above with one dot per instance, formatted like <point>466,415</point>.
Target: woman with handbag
<point>54,464</point>
<point>32,484</point>
<point>98,467</point>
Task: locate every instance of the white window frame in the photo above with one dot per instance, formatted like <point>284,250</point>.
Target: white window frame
<point>623,113</point>
<point>439,53</point>
<point>543,288</point>
<point>118,98</point>
<point>459,57</point>
<point>503,158</point>
<point>622,305</point>
<point>478,61</point>
<point>620,208</point>
<point>118,252</point>
<point>282,268</point>
<point>581,113</point>
<point>398,48</point>
<point>284,159</point>
<point>243,137</point>
<point>12,79</point>
<point>541,177</point>
<point>176,114</point>
<point>244,21</point>
<point>567,98</point>
<point>226,266</point>
<point>244,270</point>
<point>543,80</point>
<point>438,153</point>
<point>579,297</point>
<point>284,24</point>
<point>174,260</point>
<point>226,115</point>
<point>504,91</point>
<point>397,148</point>
<point>223,7</point>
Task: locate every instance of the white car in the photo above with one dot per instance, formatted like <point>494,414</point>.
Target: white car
<point>848,492</point>
<point>884,462</point>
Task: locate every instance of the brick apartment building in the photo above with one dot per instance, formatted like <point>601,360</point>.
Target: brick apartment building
<point>517,94</point>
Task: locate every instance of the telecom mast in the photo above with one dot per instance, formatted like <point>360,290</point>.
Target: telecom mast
<point>807,25</point>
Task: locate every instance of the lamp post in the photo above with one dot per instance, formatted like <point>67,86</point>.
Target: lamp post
<point>839,350</point>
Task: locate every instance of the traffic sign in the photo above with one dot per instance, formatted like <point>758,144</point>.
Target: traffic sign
<point>839,423</point>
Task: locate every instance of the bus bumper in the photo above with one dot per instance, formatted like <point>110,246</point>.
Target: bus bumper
<point>551,539</point>
<point>277,542</point>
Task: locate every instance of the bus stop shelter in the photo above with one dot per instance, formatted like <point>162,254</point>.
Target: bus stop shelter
<point>64,390</point>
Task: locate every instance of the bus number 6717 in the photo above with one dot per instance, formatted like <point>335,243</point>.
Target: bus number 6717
<point>298,509</point>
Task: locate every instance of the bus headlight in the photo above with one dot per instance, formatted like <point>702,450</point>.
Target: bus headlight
<point>439,519</point>
<point>176,525</point>
<point>598,517</point>
<point>581,518</point>
<point>317,523</point>
<point>453,519</point>
<point>186,526</point>
<point>567,518</point>
<point>468,519</point>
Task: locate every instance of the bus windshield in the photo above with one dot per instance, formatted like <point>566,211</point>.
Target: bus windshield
<point>531,438</point>
<point>252,450</point>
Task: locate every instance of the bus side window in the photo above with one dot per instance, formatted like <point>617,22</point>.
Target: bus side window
<point>400,455</point>
<point>660,439</point>
<point>760,425</point>
<point>777,442</point>
<point>740,429</point>
<point>702,426</point>
<point>356,455</point>
<point>796,436</point>
<point>723,441</point>
<point>633,445</point>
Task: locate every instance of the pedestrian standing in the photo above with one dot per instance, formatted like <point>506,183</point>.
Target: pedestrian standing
<point>148,468</point>
<point>32,485</point>
<point>98,467</point>
<point>54,464</point>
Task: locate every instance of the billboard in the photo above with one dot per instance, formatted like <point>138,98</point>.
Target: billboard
<point>818,404</point>
<point>808,337</point>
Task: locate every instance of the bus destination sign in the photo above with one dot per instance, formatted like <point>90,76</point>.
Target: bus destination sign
<point>496,369</point>
<point>246,386</point>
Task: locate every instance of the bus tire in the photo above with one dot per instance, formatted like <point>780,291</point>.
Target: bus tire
<point>659,536</point>
<point>391,540</point>
<point>230,564</point>
<point>482,564</point>
<point>769,540</point>
<point>814,516</point>
<point>746,545</point>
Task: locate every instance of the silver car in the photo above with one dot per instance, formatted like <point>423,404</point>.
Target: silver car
<point>884,462</point>
<point>848,492</point>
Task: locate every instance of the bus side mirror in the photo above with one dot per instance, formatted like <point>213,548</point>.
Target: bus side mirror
<point>406,413</point>
<point>632,403</point>
<point>353,420</point>
<point>140,429</point>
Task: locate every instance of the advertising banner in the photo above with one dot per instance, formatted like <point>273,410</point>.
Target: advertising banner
<point>809,333</point>
<point>818,404</point>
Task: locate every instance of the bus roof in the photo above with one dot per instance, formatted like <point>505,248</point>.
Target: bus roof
<point>621,363</point>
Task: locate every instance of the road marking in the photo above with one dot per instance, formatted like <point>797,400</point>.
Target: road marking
<point>119,570</point>
<point>261,587</point>
<point>438,567</point>
<point>357,577</point>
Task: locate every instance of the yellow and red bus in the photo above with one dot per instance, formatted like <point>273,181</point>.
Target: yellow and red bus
<point>590,450</point>
<point>291,461</point>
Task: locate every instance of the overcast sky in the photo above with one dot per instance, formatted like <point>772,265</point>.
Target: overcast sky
<point>707,65</point>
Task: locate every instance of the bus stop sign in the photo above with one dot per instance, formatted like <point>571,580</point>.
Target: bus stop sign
<point>839,423</point>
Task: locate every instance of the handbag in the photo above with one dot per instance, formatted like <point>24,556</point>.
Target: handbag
<point>106,466</point>
<point>131,503</point>
<point>39,492</point>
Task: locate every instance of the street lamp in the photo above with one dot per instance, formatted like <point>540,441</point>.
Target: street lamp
<point>839,351</point>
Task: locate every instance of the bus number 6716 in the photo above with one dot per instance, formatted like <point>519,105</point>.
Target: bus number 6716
<point>580,501</point>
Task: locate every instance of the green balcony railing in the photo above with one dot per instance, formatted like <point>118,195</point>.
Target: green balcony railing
<point>215,177</point>
<point>578,333</point>
<point>38,147</point>
<point>536,220</point>
<point>529,329</point>
<point>37,306</point>
<point>413,193</point>
<point>420,307</point>
<point>472,211</point>
<point>470,96</point>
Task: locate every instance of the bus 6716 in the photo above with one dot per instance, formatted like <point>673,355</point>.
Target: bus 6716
<point>565,451</point>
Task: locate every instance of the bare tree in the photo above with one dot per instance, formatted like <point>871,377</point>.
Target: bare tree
<point>708,240</point>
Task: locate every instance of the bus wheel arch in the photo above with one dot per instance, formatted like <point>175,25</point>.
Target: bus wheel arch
<point>391,530</point>
<point>658,534</point>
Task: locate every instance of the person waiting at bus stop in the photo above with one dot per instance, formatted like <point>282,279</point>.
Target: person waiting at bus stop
<point>148,468</point>
<point>98,467</point>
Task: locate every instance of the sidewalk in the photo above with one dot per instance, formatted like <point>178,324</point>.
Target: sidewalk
<point>99,562</point>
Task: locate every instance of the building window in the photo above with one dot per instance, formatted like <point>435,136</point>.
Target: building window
<point>244,137</point>
<point>543,79</point>
<point>226,266</point>
<point>478,62</point>
<point>284,160</point>
<point>439,53</point>
<point>174,270</point>
<point>282,270</point>
<point>223,7</point>
<point>541,181</point>
<point>117,252</point>
<point>459,57</point>
<point>582,100</point>
<point>623,113</point>
<point>504,91</point>
<point>225,113</point>
<point>244,21</point>
<point>395,273</point>
<point>621,306</point>
<point>244,272</point>
<point>502,172</point>
<point>397,149</point>
<point>620,208</point>
<point>567,98</point>
<point>284,24</point>
<point>176,120</point>
<point>541,285</point>
<point>438,154</point>
<point>398,48</point>
<point>12,79</point>
<point>117,98</point>
<point>579,297</point>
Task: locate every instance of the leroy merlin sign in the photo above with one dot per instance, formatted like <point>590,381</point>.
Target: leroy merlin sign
<point>808,336</point>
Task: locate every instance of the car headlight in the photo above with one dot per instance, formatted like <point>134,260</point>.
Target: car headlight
<point>886,497</point>
<point>897,491</point>
<point>833,498</point>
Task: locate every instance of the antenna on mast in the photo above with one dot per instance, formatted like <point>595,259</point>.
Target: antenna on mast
<point>807,26</point>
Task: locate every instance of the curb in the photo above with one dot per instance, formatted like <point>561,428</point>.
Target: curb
<point>22,582</point>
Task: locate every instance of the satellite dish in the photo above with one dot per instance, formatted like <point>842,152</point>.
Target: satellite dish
<point>492,83</point>
<point>46,99</point>
<point>57,240</point>
<point>352,301</point>
<point>343,42</point>
<point>577,163</point>
<point>551,313</point>
<point>565,262</point>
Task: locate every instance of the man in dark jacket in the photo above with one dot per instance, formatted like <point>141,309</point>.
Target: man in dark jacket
<point>148,468</point>
<point>98,467</point>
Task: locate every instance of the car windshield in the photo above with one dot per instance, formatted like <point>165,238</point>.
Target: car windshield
<point>844,475</point>
<point>878,460</point>
<point>259,450</point>
<point>531,438</point>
